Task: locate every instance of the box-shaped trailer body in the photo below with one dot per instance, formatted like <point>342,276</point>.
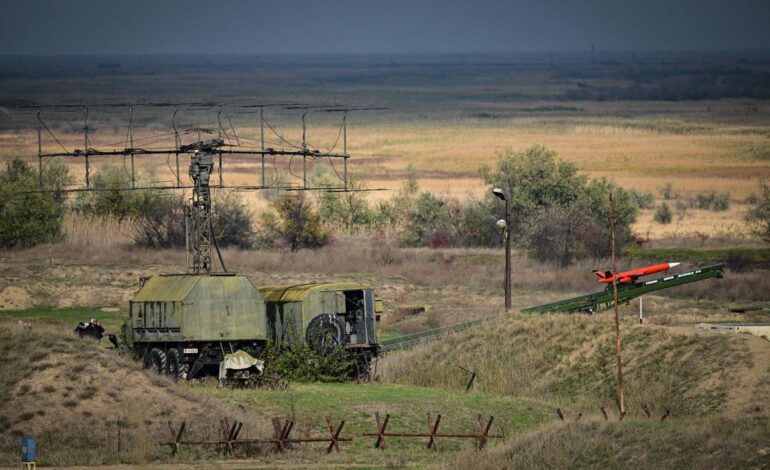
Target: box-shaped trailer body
<point>185,307</point>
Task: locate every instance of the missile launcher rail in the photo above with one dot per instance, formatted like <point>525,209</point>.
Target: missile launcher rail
<point>588,303</point>
<point>626,292</point>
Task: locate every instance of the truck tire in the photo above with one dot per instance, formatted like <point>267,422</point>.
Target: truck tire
<point>325,332</point>
<point>173,364</point>
<point>158,361</point>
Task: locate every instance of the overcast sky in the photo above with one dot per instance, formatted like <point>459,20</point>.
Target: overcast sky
<point>384,26</point>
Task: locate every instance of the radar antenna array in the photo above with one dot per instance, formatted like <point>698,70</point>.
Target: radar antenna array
<point>202,153</point>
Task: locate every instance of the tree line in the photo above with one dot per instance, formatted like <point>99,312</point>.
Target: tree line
<point>556,213</point>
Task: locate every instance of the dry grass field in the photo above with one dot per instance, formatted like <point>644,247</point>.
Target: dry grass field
<point>444,120</point>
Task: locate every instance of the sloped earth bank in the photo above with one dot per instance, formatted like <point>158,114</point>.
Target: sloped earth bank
<point>717,386</point>
<point>570,360</point>
<point>88,406</point>
<point>84,403</point>
<point>702,443</point>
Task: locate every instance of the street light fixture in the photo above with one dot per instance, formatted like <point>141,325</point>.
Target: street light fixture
<point>504,225</point>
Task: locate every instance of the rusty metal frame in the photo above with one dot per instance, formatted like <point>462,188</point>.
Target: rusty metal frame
<point>281,437</point>
<point>562,417</point>
<point>482,435</point>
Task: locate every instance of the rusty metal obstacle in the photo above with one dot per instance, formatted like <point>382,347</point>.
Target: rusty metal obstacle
<point>482,435</point>
<point>229,435</point>
<point>281,439</point>
<point>562,416</point>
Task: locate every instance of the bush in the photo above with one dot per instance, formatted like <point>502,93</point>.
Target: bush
<point>758,216</point>
<point>298,362</point>
<point>232,221</point>
<point>667,191</point>
<point>662,214</point>
<point>111,197</point>
<point>347,210</point>
<point>476,222</point>
<point>642,200</point>
<point>427,222</point>
<point>294,225</point>
<point>158,219</point>
<point>712,201</point>
<point>29,217</point>
<point>158,216</point>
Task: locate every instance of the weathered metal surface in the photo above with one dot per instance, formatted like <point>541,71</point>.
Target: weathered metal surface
<point>626,292</point>
<point>281,436</point>
<point>198,308</point>
<point>166,288</point>
<point>291,308</point>
<point>482,435</point>
<point>299,292</point>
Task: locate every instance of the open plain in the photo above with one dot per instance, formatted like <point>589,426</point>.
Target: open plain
<point>444,118</point>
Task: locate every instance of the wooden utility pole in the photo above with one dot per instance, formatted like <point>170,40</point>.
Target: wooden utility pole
<point>621,402</point>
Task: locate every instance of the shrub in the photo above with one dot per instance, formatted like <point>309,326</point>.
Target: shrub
<point>29,217</point>
<point>642,200</point>
<point>232,221</point>
<point>298,362</point>
<point>667,191</point>
<point>427,221</point>
<point>111,197</point>
<point>347,210</point>
<point>712,201</point>
<point>758,216</point>
<point>158,219</point>
<point>294,225</point>
<point>557,214</point>
<point>158,216</point>
<point>476,222</point>
<point>662,214</point>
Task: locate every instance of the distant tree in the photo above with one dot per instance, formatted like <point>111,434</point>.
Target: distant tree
<point>294,225</point>
<point>557,214</point>
<point>643,200</point>
<point>427,221</point>
<point>758,216</point>
<point>232,221</point>
<point>476,222</point>
<point>111,196</point>
<point>158,219</point>
<point>533,180</point>
<point>347,210</point>
<point>29,217</point>
<point>662,214</point>
<point>158,216</point>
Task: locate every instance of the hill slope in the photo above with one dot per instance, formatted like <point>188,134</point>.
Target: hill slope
<point>570,360</point>
<point>707,443</point>
<point>84,403</point>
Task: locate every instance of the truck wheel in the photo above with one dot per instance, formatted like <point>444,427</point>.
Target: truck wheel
<point>325,332</point>
<point>158,360</point>
<point>173,362</point>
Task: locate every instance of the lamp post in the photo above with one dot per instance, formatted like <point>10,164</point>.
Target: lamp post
<point>504,225</point>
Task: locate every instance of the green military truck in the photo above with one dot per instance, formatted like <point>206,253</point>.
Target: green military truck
<point>188,325</point>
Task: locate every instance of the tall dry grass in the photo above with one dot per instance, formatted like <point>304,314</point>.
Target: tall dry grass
<point>570,360</point>
<point>708,443</point>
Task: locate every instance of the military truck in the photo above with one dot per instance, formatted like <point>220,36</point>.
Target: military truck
<point>186,325</point>
<point>204,322</point>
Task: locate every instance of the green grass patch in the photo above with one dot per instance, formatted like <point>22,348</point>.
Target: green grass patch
<point>70,317</point>
<point>408,407</point>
